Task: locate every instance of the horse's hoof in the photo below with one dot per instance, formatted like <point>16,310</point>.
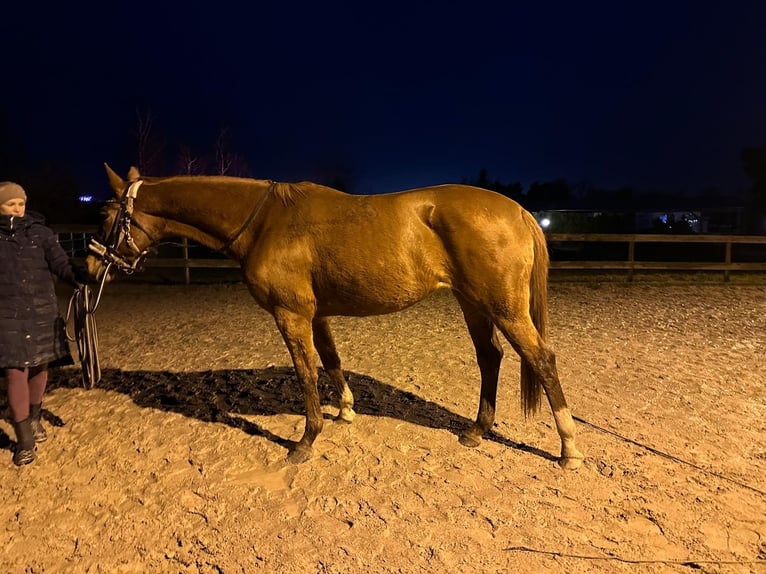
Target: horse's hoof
<point>345,416</point>
<point>299,455</point>
<point>570,462</point>
<point>469,440</point>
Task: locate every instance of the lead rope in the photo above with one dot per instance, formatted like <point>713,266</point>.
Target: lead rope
<point>82,310</point>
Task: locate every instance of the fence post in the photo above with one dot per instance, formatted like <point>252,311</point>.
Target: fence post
<point>631,258</point>
<point>185,248</point>
<point>727,261</point>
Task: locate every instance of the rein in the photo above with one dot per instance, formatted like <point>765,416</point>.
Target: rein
<point>229,242</point>
<point>82,309</point>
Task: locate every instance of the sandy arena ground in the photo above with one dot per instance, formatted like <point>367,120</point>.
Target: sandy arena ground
<point>176,462</point>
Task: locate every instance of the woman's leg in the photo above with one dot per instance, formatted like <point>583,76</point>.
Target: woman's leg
<point>18,393</point>
<point>38,380</point>
<point>18,401</point>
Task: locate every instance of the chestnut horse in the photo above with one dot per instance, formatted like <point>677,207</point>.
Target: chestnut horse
<point>308,252</point>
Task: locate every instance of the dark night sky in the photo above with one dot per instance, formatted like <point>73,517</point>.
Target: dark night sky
<point>659,95</point>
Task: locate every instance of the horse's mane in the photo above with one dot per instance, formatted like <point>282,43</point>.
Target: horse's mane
<point>289,193</point>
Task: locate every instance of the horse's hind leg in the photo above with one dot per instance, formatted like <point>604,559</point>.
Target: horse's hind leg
<point>325,345</point>
<point>489,354</point>
<point>525,339</point>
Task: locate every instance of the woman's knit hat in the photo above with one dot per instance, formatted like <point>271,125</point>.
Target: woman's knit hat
<point>10,190</point>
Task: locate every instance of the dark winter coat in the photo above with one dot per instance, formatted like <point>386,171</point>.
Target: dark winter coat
<point>31,328</point>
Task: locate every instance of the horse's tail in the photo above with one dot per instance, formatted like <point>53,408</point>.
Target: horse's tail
<point>538,309</point>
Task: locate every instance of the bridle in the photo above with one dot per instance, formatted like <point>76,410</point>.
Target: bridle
<point>81,305</point>
<point>108,247</point>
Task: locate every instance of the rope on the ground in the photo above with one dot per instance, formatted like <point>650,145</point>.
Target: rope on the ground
<point>690,563</point>
<point>696,564</point>
<point>670,456</point>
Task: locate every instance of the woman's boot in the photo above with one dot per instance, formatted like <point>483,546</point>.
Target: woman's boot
<point>25,443</point>
<point>38,430</point>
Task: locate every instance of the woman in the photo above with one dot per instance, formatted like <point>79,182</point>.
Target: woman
<point>32,332</point>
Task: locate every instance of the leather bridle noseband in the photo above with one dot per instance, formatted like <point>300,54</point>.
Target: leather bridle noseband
<point>108,247</point>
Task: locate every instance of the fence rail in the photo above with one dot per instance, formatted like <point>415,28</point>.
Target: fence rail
<point>663,245</point>
<point>569,251</point>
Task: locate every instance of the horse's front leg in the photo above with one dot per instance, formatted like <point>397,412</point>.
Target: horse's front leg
<point>297,333</point>
<point>325,346</point>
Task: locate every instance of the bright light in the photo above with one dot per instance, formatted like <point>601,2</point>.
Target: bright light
<point>545,222</point>
<point>86,198</point>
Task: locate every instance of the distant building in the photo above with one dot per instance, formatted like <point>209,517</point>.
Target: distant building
<point>661,216</point>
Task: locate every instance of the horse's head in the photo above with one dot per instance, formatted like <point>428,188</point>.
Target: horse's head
<point>124,238</point>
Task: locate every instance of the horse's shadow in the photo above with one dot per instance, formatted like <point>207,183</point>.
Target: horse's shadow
<point>221,396</point>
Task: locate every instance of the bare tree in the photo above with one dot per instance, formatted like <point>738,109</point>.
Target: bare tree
<point>188,163</point>
<point>149,144</point>
<point>226,161</point>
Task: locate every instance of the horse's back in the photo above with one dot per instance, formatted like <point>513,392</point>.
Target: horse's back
<point>455,213</point>
<point>473,218</point>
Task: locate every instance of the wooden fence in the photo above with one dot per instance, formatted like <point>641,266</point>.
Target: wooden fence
<point>569,251</point>
<point>664,252</point>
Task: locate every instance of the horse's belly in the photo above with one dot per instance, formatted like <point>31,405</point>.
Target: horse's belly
<point>377,298</point>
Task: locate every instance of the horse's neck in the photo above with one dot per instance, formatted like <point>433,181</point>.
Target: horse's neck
<point>209,238</point>
<point>209,215</point>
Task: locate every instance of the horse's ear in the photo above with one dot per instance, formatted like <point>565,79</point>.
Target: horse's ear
<point>115,181</point>
<point>133,174</point>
